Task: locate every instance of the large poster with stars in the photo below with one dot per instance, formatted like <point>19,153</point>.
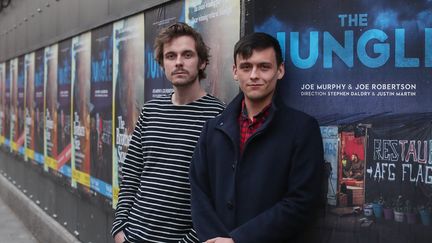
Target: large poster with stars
<point>347,60</point>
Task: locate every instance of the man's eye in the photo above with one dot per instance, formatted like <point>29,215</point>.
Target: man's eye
<point>188,55</point>
<point>245,67</point>
<point>170,56</point>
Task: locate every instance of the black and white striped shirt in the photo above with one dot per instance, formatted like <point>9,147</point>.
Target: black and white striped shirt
<point>154,198</point>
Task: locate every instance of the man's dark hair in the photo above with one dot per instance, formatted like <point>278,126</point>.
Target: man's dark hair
<point>177,30</point>
<point>257,41</point>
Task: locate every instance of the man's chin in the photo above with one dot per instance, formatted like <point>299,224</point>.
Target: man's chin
<point>182,82</point>
<point>254,97</point>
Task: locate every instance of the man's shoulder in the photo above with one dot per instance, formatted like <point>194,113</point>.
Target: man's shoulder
<point>158,100</point>
<point>210,100</point>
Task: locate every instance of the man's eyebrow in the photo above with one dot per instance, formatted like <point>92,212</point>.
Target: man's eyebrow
<point>245,64</point>
<point>188,50</point>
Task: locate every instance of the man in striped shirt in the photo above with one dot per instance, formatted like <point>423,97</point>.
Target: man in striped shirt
<point>154,197</point>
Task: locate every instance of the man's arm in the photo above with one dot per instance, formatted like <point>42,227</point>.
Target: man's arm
<point>291,214</point>
<point>131,171</point>
<point>205,220</point>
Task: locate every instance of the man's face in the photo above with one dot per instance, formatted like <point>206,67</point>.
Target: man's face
<point>181,62</point>
<point>258,75</point>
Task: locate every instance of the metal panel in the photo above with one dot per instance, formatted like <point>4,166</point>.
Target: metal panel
<point>68,19</point>
<point>119,9</point>
<point>91,13</point>
<point>2,46</point>
<point>10,43</point>
<point>7,24</point>
<point>21,35</point>
<point>34,30</point>
<point>49,22</point>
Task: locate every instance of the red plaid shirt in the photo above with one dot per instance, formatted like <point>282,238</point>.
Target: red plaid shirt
<point>249,127</point>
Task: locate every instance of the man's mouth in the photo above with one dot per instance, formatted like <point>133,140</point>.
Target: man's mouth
<point>179,72</point>
<point>255,85</point>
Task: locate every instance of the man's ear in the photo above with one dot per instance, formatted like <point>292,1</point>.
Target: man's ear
<point>281,71</point>
<point>203,66</point>
<point>234,70</point>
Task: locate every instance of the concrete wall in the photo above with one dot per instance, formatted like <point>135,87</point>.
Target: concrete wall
<point>45,201</point>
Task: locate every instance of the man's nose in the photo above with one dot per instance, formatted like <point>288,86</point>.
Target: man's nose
<point>254,73</point>
<point>179,61</point>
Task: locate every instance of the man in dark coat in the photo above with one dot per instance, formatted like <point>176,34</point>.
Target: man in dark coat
<point>256,173</point>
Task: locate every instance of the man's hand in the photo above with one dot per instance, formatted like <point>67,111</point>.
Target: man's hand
<point>219,240</point>
<point>119,237</point>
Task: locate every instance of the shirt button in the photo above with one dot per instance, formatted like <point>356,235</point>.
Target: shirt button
<point>230,205</point>
<point>221,124</point>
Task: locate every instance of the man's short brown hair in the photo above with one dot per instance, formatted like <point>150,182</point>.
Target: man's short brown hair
<point>177,30</point>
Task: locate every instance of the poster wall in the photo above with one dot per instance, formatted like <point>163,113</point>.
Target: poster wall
<point>2,102</point>
<point>347,60</point>
<point>71,107</point>
<point>62,160</point>
<point>212,18</point>
<point>155,20</point>
<point>81,52</point>
<point>128,87</point>
<point>29,111</point>
<point>50,81</point>
<point>101,115</point>
<point>14,129</point>
<point>20,139</point>
<point>39,107</point>
<point>7,104</point>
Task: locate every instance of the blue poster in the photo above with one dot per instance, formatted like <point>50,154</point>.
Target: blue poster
<point>349,60</point>
<point>39,94</point>
<point>101,99</point>
<point>156,84</point>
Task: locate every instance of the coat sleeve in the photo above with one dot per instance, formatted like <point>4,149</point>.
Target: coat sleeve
<point>286,218</point>
<point>131,171</point>
<point>205,220</point>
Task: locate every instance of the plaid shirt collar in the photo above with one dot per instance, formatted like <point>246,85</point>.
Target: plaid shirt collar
<point>247,126</point>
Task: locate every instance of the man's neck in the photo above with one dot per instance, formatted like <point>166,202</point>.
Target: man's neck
<point>255,107</point>
<point>187,94</point>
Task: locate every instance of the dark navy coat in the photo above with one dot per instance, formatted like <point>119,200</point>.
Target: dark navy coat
<point>270,191</point>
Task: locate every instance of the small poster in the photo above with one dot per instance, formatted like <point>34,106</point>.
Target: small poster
<point>50,80</point>
<point>81,52</point>
<point>29,111</point>
<point>128,87</point>
<point>101,116</point>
